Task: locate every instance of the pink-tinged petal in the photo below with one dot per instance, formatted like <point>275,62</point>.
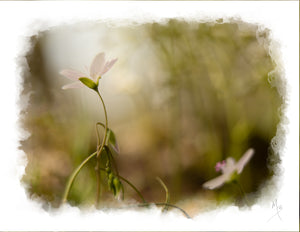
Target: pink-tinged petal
<point>244,160</point>
<point>108,66</point>
<point>72,74</point>
<point>216,182</point>
<point>73,85</point>
<point>97,66</point>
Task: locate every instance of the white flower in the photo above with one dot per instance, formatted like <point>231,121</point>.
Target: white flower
<point>229,168</point>
<point>98,67</point>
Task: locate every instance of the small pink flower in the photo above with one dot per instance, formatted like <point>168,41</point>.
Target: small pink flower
<point>98,68</point>
<point>220,165</point>
<point>228,168</point>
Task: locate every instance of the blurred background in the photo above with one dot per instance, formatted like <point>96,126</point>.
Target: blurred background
<point>181,97</point>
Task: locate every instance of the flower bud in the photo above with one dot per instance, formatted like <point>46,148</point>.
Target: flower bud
<point>89,83</point>
<point>110,181</point>
<point>117,186</point>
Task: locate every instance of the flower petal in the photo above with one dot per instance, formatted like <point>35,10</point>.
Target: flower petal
<point>72,74</point>
<point>97,66</point>
<point>108,66</point>
<point>73,85</point>
<point>216,182</point>
<point>244,160</point>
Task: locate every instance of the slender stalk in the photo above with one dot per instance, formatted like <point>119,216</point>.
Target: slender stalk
<point>98,179</point>
<point>105,114</point>
<point>97,168</point>
<point>97,132</point>
<point>73,176</point>
<point>135,189</point>
<point>99,150</point>
<point>101,124</point>
<point>167,193</point>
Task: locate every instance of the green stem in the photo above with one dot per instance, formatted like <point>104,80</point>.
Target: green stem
<point>97,169</point>
<point>97,132</point>
<point>73,176</point>
<point>98,179</point>
<point>99,150</point>
<point>135,189</point>
<point>105,128</point>
<point>167,193</point>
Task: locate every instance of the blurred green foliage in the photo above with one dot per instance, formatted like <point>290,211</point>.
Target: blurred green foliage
<point>209,98</point>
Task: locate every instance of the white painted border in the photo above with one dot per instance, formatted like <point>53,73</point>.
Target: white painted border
<point>18,19</point>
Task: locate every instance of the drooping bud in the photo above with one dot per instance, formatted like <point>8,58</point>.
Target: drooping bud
<point>117,186</point>
<point>110,181</point>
